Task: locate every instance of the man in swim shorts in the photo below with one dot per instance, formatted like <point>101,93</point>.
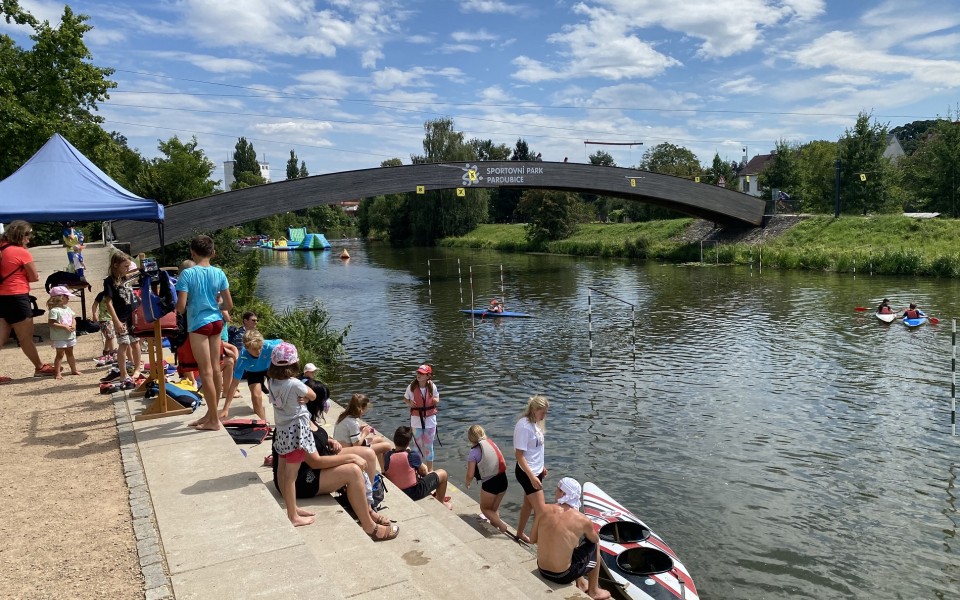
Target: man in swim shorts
<point>567,545</point>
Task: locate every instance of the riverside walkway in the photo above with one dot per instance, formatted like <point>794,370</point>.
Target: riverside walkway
<point>191,514</point>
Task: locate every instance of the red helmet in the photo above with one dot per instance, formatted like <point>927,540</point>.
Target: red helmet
<point>493,302</point>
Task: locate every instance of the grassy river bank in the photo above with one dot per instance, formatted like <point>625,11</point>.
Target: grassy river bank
<point>887,245</point>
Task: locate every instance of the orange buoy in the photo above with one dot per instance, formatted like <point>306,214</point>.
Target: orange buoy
<point>345,255</point>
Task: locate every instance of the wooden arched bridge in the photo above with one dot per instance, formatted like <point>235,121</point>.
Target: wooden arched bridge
<point>186,219</point>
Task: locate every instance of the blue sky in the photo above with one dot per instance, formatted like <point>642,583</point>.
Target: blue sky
<point>349,83</point>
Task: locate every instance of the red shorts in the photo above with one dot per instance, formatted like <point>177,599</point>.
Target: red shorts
<point>210,329</point>
<point>297,456</point>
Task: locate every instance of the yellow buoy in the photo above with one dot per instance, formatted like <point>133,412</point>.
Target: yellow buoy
<point>344,255</point>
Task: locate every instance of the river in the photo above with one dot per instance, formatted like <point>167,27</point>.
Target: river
<point>783,444</point>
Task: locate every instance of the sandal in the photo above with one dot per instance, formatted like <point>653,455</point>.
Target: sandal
<point>392,532</point>
<point>382,520</point>
<point>45,369</point>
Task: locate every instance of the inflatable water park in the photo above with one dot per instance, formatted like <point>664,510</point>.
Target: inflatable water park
<point>297,239</point>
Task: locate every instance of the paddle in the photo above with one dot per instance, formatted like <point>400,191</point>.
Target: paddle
<point>861,309</point>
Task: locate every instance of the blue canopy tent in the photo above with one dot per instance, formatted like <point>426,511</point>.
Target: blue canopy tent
<point>59,183</point>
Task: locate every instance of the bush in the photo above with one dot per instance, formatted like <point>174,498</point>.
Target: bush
<point>310,331</point>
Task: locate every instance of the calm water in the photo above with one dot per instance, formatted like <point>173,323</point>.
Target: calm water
<point>783,444</point>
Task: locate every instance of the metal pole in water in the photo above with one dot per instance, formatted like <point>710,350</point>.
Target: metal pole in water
<point>472,315</point>
<point>590,324</point>
<point>953,378</point>
<point>429,286</point>
<point>633,325</point>
<point>460,280</point>
<point>502,294</point>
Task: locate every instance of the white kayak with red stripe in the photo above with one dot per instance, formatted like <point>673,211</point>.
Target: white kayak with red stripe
<point>634,557</point>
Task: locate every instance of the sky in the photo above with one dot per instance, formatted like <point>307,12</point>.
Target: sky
<point>347,84</point>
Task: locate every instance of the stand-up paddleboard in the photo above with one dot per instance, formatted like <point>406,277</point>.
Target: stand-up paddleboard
<point>636,559</point>
<point>886,317</point>
<point>911,323</point>
<point>487,313</point>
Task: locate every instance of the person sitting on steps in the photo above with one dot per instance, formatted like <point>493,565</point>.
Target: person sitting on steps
<point>405,469</point>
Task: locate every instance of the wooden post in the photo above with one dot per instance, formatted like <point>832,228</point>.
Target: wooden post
<point>160,407</point>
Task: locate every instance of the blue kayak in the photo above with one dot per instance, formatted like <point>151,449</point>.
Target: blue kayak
<point>915,322</point>
<point>480,312</point>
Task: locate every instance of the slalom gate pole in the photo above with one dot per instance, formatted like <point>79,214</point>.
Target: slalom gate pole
<point>460,281</point>
<point>472,316</point>
<point>502,294</point>
<point>590,324</point>
<point>633,340</point>
<point>953,381</point>
<point>429,285</point>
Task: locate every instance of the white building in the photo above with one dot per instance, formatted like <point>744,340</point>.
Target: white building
<point>228,178</point>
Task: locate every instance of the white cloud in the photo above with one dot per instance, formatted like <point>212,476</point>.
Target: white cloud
<point>212,64</point>
<point>493,7</point>
<point>943,45</point>
<point>742,85</point>
<point>472,36</point>
<point>455,48</point>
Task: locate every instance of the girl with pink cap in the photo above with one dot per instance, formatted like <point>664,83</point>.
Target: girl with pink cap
<point>422,399</point>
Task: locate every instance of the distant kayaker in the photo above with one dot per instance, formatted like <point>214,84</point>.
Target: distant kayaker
<point>884,308</point>
<point>496,306</point>
<point>913,312</point>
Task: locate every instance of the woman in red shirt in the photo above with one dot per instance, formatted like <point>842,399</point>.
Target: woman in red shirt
<point>17,272</point>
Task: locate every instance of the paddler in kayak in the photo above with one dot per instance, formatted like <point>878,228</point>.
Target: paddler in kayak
<point>913,312</point>
<point>496,306</point>
<point>884,308</point>
<point>568,547</point>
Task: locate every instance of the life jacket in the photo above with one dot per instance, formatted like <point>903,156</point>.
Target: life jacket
<point>912,314</point>
<point>491,460</point>
<point>423,407</point>
<point>399,470</point>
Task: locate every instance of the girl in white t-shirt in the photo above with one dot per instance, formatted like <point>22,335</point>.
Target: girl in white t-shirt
<point>422,399</point>
<point>351,430</point>
<point>528,446</point>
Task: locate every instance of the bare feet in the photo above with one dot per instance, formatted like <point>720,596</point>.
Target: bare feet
<point>303,521</point>
<point>58,376</point>
<point>598,594</point>
<point>224,415</point>
<point>448,504</point>
<point>207,426</point>
<point>76,372</point>
<point>523,538</point>
<point>302,512</point>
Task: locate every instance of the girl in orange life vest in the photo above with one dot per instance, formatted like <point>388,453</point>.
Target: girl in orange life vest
<point>485,461</point>
<point>422,399</point>
<point>530,470</point>
<point>350,430</point>
<point>407,472</point>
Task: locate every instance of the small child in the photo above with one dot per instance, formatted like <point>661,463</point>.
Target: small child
<point>486,462</point>
<point>405,469</point>
<point>63,329</point>
<point>293,439</point>
<point>107,333</point>
<point>309,372</point>
<point>121,301</point>
<point>350,430</point>
<point>203,291</point>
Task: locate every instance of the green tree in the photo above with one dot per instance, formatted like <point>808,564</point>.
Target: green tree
<point>246,168</point>
<point>521,151</point>
<point>487,150</point>
<point>303,170</point>
<point>182,174</point>
<point>863,169</point>
<point>670,159</point>
<point>781,173</point>
<point>442,213</point>
<point>816,171</point>
<point>550,214</point>
<point>602,158</point>
<point>934,168</point>
<point>52,87</point>
<point>292,171</point>
<point>721,169</point>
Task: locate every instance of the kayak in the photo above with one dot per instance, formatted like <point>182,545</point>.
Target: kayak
<point>886,317</point>
<point>486,313</point>
<point>635,558</point>
<point>911,323</point>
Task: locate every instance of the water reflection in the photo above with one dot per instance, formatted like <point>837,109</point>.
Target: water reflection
<point>785,445</point>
